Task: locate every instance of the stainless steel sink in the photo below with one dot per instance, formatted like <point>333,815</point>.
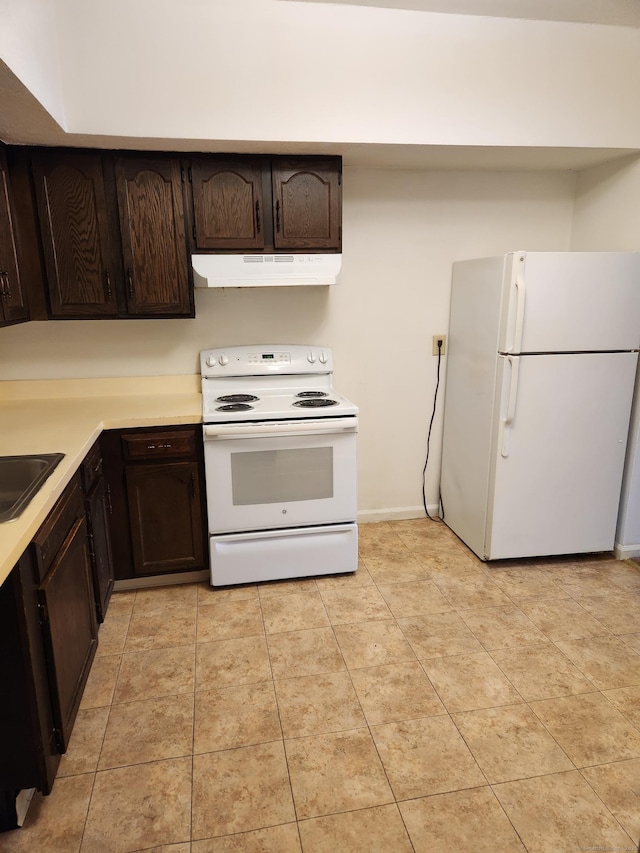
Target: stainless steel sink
<point>20,479</point>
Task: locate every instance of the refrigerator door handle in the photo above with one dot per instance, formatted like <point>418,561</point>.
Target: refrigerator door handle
<point>514,364</point>
<point>516,346</point>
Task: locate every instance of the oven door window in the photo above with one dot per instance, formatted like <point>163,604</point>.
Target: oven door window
<point>281,476</point>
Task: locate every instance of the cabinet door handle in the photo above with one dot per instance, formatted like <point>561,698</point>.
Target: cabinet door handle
<point>278,216</point>
<point>7,286</point>
<point>108,496</point>
<point>130,280</point>
<point>107,275</point>
<point>4,284</point>
<point>193,485</point>
<point>258,225</point>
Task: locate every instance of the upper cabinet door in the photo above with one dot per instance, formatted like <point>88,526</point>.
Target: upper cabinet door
<point>78,245</point>
<point>227,203</point>
<point>151,205</point>
<point>12,304</point>
<point>306,203</point>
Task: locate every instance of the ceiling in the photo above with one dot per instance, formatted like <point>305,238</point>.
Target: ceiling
<point>621,13</point>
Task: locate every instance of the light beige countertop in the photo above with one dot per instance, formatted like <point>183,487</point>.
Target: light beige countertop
<point>66,416</point>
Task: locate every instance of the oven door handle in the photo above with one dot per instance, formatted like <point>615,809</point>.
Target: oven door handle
<point>251,430</point>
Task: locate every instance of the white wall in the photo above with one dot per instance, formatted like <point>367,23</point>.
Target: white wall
<point>402,231</point>
<point>29,46</point>
<point>281,70</point>
<point>607,218</point>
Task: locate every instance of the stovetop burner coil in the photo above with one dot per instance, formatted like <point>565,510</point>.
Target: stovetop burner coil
<point>235,407</point>
<point>237,398</point>
<point>312,394</point>
<point>315,403</point>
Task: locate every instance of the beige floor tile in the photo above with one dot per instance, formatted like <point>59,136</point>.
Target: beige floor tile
<point>121,604</point>
<point>510,743</point>
<point>541,671</point>
<point>618,786</point>
<point>361,577</point>
<point>502,627</point>
<point>185,847</point>
<point>318,704</point>
<point>53,824</point>
<point>470,682</point>
<point>208,594</point>
<point>416,531</point>
<point>361,831</point>
<point>588,581</point>
<point>355,604</point>
<point>112,635</point>
<point>235,716</point>
<point>161,629</point>
<point>228,619</point>
<point>153,673</point>
<point>273,839</point>
<point>398,691</point>
<point>449,560</point>
<point>414,599</point>
<point>167,598</point>
<point>294,611</point>
<point>627,701</point>
<point>287,587</point>
<point>148,730</point>
<point>607,661</point>
<point>470,592</point>
<point>101,682</point>
<point>226,663</point>
<point>589,728</point>
<point>336,772</point>
<point>438,635</point>
<point>309,652</point>
<point>238,790</point>
<point>525,583</point>
<point>470,820</point>
<point>560,813</point>
<point>372,644</point>
<point>395,567</point>
<point>632,640</point>
<point>150,804</point>
<point>562,619</point>
<point>618,611</point>
<point>425,756</point>
<point>85,743</point>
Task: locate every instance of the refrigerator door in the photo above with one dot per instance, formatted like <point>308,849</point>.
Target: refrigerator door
<point>570,302</point>
<point>558,453</point>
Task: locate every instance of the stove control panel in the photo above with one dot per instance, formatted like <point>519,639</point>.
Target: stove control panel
<point>265,360</point>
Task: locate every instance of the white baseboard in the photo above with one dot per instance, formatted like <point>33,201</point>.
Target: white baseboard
<point>396,513</point>
<point>626,552</point>
<point>161,580</point>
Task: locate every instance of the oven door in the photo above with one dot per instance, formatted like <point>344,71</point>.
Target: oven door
<point>265,476</point>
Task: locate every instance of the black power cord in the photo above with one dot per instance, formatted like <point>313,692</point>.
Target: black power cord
<point>426,462</point>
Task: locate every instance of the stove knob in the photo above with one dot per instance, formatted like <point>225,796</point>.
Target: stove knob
<point>223,360</point>
<point>323,358</point>
<point>211,361</point>
<point>311,357</point>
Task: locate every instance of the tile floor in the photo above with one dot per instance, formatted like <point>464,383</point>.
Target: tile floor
<point>429,702</point>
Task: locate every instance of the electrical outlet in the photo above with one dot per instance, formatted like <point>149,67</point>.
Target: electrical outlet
<point>442,340</point>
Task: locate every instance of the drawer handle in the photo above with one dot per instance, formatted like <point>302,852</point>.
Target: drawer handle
<point>167,446</point>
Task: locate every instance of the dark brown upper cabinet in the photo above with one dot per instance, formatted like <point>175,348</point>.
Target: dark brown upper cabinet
<point>13,308</point>
<point>228,203</point>
<point>152,225</point>
<point>306,203</point>
<point>80,249</point>
<point>245,203</point>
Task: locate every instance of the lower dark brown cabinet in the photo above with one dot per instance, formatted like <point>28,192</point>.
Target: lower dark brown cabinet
<point>98,506</point>
<point>158,518</point>
<point>48,639</point>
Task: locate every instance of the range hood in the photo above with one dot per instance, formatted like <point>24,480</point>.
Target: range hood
<point>265,270</point>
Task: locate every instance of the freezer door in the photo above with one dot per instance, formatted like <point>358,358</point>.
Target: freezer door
<point>558,453</point>
<point>570,302</point>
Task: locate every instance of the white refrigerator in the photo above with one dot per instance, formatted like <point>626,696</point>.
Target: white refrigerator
<point>541,363</point>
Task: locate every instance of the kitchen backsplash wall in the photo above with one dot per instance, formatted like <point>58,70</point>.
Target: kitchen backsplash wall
<point>402,231</point>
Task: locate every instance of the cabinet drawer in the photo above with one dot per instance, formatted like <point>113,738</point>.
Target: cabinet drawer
<point>164,444</point>
<point>91,468</point>
<point>49,539</point>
